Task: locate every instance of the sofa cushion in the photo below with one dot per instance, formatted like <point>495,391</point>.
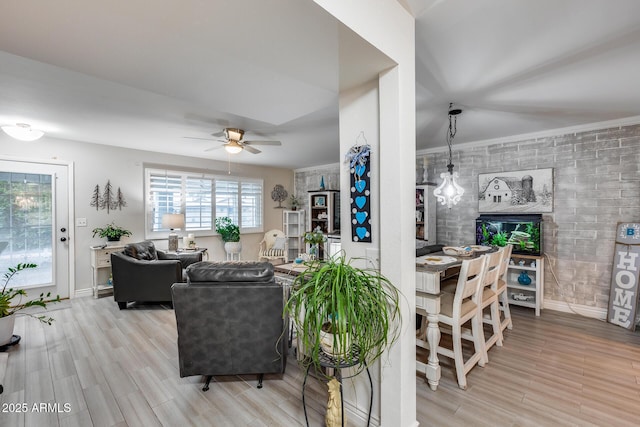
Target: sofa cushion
<point>243,271</point>
<point>145,251</point>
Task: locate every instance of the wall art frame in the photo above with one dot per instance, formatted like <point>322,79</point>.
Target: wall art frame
<point>525,191</point>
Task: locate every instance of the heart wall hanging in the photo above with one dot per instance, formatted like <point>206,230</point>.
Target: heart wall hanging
<point>360,191</point>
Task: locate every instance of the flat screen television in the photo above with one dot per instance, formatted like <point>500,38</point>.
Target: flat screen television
<point>524,232</point>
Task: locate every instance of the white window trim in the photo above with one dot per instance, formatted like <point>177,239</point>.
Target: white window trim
<point>162,234</point>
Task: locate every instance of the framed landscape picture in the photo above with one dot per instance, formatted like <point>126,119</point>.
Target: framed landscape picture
<point>526,191</point>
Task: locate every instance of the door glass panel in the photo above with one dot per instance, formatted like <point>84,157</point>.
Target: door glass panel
<point>26,223</point>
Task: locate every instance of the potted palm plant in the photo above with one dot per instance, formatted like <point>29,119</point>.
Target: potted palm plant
<point>112,232</point>
<point>230,234</point>
<point>9,306</point>
<point>357,307</point>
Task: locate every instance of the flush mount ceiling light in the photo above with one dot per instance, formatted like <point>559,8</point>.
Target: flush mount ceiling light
<point>449,192</point>
<point>22,132</point>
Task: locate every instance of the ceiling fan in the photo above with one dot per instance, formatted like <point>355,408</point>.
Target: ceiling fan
<point>234,143</point>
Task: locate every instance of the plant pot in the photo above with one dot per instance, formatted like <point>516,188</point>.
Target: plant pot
<point>6,328</point>
<point>233,247</point>
<point>112,241</point>
<point>327,344</point>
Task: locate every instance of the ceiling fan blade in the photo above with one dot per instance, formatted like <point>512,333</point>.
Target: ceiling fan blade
<point>218,134</point>
<point>263,142</point>
<point>214,148</point>
<point>251,149</point>
<point>195,137</point>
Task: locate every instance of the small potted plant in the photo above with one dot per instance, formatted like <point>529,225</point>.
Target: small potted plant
<point>9,306</point>
<point>112,232</point>
<point>230,234</point>
<point>294,202</point>
<point>314,238</point>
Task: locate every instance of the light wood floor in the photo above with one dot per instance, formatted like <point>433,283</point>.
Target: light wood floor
<point>119,368</point>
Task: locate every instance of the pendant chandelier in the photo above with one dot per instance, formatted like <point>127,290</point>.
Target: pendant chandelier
<point>449,191</point>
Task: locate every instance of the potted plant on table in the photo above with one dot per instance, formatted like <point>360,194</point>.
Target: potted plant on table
<point>315,238</point>
<point>294,202</point>
<point>9,306</point>
<point>230,234</point>
<point>112,232</point>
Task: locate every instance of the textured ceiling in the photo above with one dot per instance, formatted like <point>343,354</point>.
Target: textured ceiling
<point>148,74</point>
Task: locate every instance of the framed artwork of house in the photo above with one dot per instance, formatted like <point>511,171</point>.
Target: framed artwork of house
<point>526,191</point>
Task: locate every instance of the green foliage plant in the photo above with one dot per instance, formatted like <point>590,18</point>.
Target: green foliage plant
<point>360,303</point>
<point>229,232</point>
<point>499,239</point>
<point>534,231</point>
<point>294,202</point>
<point>111,232</point>
<point>7,304</point>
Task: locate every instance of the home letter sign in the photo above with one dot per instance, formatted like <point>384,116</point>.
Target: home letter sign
<point>623,298</point>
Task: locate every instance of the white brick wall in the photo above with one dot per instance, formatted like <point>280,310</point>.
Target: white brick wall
<point>596,184</point>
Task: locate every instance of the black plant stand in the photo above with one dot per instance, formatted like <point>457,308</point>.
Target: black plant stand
<point>327,361</point>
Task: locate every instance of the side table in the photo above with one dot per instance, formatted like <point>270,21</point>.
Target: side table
<point>203,251</point>
<point>327,361</point>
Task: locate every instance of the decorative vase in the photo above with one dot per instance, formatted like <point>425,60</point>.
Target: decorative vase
<point>322,183</point>
<point>6,328</point>
<point>524,278</point>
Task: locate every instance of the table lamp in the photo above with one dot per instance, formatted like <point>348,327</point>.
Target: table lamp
<point>173,221</point>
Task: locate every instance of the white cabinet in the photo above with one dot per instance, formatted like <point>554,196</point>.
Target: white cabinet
<point>527,295</point>
<point>101,266</point>
<point>293,227</point>
<point>425,213</point>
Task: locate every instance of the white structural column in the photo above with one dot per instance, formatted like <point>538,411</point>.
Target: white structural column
<point>379,35</point>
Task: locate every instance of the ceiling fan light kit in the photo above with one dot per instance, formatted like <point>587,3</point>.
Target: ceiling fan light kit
<point>232,147</point>
<point>22,132</point>
<point>449,192</point>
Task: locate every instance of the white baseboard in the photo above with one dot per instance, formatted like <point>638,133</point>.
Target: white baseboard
<point>594,312</point>
<point>358,417</point>
<point>87,292</point>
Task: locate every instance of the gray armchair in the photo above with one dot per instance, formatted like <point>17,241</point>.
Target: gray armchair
<point>143,273</point>
<point>230,320</point>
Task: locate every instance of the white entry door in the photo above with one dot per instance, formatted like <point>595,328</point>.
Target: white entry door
<point>34,225</point>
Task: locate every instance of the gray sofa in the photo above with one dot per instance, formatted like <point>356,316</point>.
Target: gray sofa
<point>230,320</point>
<point>143,273</point>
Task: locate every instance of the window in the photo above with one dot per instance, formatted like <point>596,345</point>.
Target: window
<point>201,198</point>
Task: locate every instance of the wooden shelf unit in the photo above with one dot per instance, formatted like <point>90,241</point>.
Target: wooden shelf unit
<point>534,292</point>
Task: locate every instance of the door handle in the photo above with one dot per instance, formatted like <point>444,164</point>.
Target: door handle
<point>63,229</point>
<point>63,239</point>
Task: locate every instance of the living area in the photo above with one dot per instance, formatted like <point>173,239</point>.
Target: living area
<point>151,125</point>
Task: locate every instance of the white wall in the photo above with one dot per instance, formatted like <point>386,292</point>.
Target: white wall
<point>95,164</point>
<point>396,121</point>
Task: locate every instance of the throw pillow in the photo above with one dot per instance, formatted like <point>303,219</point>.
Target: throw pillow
<point>279,244</point>
<point>145,251</point>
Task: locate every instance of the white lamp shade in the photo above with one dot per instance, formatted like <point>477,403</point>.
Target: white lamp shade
<point>173,221</point>
<point>22,132</point>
